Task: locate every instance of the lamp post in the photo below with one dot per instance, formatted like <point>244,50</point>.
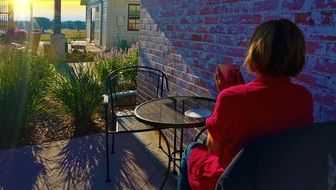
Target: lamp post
<point>57,17</point>
<point>10,14</point>
<point>31,21</point>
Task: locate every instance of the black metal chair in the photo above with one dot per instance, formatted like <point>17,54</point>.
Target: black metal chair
<point>120,98</point>
<point>298,159</point>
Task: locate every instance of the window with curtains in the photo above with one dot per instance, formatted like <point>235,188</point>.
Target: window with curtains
<point>133,17</point>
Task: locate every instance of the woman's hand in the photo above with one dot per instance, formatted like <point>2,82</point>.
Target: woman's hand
<point>228,75</point>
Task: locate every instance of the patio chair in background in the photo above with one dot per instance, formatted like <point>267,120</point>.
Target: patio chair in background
<point>299,159</point>
<point>119,114</point>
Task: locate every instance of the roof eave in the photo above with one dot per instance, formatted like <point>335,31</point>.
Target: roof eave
<point>83,2</point>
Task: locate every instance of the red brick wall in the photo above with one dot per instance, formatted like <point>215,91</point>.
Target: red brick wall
<point>188,39</point>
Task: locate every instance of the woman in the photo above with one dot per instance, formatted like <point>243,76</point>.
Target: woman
<point>269,104</point>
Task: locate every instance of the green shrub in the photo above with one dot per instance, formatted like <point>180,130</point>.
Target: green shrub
<point>78,56</point>
<point>123,45</point>
<point>25,80</point>
<point>116,59</point>
<point>79,91</point>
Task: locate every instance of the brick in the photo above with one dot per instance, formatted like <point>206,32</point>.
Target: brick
<point>211,20</point>
<point>235,52</point>
<point>274,16</point>
<point>249,19</point>
<point>316,48</point>
<point>237,30</point>
<point>225,40</point>
<point>205,11</point>
<point>325,98</point>
<point>212,2</point>
<point>184,36</point>
<point>325,4</point>
<point>304,18</point>
<point>218,10</point>
<point>201,29</point>
<point>170,28</point>
<point>200,46</point>
<point>218,29</point>
<point>331,52</point>
<point>209,38</point>
<point>228,19</point>
<point>243,41</point>
<point>328,113</point>
<point>196,37</point>
<point>191,12</point>
<point>327,17</point>
<point>319,33</point>
<point>168,14</point>
<point>230,1</point>
<point>197,20</point>
<point>292,5</point>
<point>245,7</point>
<point>265,5</point>
<point>216,49</point>
<point>324,65</point>
<point>317,80</point>
<point>184,21</point>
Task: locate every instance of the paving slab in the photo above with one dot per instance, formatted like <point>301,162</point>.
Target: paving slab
<point>79,163</point>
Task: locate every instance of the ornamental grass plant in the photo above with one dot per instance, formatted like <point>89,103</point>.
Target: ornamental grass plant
<point>25,81</point>
<point>43,98</point>
<point>79,91</point>
<point>114,59</point>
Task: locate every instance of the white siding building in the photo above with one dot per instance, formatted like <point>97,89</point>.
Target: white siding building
<point>110,22</point>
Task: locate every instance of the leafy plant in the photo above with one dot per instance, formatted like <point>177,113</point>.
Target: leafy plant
<point>78,56</point>
<point>116,59</point>
<point>123,45</point>
<point>77,88</point>
<point>25,80</point>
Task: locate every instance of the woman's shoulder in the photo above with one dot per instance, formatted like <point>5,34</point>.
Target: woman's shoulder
<point>254,89</point>
<point>301,91</point>
<point>234,92</point>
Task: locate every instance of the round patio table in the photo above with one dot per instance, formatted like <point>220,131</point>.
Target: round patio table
<point>176,112</point>
<point>172,112</point>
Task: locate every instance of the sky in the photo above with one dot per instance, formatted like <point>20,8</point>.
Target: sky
<point>71,9</point>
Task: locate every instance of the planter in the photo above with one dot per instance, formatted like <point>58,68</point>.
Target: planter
<point>36,37</point>
<point>127,98</point>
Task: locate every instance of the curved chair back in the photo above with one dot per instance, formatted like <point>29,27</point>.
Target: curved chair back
<point>299,159</point>
<point>146,82</point>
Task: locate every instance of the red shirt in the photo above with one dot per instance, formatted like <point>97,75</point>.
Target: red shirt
<point>244,113</point>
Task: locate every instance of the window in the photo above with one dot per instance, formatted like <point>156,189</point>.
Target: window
<point>133,17</point>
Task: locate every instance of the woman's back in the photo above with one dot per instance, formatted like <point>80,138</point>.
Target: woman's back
<point>244,113</point>
<point>264,106</point>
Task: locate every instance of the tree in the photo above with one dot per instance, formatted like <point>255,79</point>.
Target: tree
<point>44,23</point>
<point>78,25</point>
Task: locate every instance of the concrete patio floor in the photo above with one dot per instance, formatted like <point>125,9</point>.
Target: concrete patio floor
<point>80,164</point>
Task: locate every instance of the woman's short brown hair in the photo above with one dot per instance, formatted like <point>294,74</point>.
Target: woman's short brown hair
<point>277,48</point>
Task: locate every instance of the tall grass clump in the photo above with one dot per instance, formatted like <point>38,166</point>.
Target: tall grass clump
<point>114,59</point>
<point>25,81</point>
<point>79,91</point>
<point>79,86</point>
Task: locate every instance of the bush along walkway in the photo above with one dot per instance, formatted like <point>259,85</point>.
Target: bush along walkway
<point>44,99</point>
